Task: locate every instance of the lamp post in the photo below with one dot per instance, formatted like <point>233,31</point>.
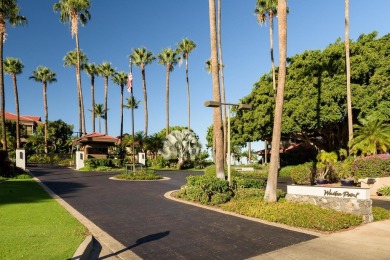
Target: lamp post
<point>239,107</point>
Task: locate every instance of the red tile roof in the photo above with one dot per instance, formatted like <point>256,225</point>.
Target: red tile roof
<point>12,117</point>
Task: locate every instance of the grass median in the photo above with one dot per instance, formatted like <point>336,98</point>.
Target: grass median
<point>35,226</point>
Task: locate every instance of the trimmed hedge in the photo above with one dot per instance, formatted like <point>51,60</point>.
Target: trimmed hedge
<point>374,166</point>
<point>206,189</point>
<point>303,174</point>
<point>139,175</point>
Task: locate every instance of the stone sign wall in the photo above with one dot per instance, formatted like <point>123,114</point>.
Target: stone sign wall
<point>350,200</point>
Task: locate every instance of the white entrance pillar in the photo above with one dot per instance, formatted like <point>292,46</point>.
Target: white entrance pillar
<point>79,159</point>
<point>21,158</point>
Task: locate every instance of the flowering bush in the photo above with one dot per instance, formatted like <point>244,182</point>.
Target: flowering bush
<point>372,166</point>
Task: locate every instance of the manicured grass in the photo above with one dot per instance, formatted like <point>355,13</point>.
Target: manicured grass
<point>33,225</point>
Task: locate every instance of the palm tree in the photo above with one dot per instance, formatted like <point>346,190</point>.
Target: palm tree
<point>72,59</point>
<point>9,13</point>
<point>167,58</point>
<point>371,136</point>
<point>142,57</point>
<point>105,70</point>
<point>217,115</point>
<point>270,192</point>
<point>120,79</point>
<point>348,70</point>
<point>72,11</point>
<point>45,76</point>
<point>98,112</point>
<point>132,104</point>
<point>91,70</point>
<point>264,8</point>
<point>185,47</point>
<point>13,67</point>
<point>222,76</point>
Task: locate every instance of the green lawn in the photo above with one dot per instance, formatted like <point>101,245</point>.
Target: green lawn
<point>35,226</point>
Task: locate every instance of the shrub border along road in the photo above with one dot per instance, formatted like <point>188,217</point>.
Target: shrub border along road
<point>169,195</point>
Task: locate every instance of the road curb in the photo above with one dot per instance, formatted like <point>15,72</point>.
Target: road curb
<point>84,250</point>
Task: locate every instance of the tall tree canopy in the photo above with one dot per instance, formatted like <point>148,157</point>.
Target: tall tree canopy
<point>315,105</point>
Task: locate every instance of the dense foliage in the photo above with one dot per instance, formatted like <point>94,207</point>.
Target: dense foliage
<point>372,166</point>
<point>384,191</point>
<point>315,94</point>
<point>144,174</point>
<point>303,173</point>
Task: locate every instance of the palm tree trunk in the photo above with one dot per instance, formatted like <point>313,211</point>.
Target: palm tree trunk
<point>145,99</point>
<point>271,40</point>
<point>46,113</point>
<point>105,104</point>
<point>270,192</point>
<point>222,77</point>
<point>79,89</point>
<point>188,95</point>
<point>348,68</point>
<point>167,99</point>
<point>2,93</point>
<point>121,102</point>
<point>17,110</point>
<point>93,102</point>
<point>217,115</point>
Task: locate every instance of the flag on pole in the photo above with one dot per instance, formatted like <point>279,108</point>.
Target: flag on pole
<point>129,82</point>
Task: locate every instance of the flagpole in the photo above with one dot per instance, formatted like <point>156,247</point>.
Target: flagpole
<point>132,116</point>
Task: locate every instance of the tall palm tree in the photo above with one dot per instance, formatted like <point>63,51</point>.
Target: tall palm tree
<point>217,115</point>
<point>91,70</point>
<point>72,59</point>
<point>263,9</point>
<point>168,58</point>
<point>120,79</point>
<point>142,57</point>
<point>348,70</point>
<point>185,47</point>
<point>9,13</point>
<point>45,76</point>
<point>221,74</point>
<point>73,11</point>
<point>98,112</point>
<point>13,67</point>
<point>105,70</point>
<point>270,192</point>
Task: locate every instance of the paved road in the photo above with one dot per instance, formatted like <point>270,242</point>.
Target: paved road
<point>139,216</point>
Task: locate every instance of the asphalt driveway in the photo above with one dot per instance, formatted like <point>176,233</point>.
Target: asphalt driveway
<point>139,216</point>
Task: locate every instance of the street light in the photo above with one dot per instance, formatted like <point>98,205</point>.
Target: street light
<point>239,107</point>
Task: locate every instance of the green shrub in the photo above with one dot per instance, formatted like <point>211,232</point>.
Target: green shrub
<point>385,191</point>
<point>374,166</point>
<point>203,188</point>
<point>210,170</point>
<point>294,214</point>
<point>144,174</point>
<point>303,173</point>
<point>249,193</point>
<point>343,169</point>
<point>159,162</point>
<point>286,171</point>
<point>23,176</point>
<point>94,163</point>
<point>380,213</point>
<point>249,183</point>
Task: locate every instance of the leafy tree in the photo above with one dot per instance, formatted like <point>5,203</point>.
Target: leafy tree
<point>120,79</point>
<point>185,47</point>
<point>45,76</point>
<point>270,191</point>
<point>106,70</point>
<point>182,145</point>
<point>371,136</point>
<point>73,11</point>
<point>59,134</point>
<point>9,13</point>
<point>142,57</point>
<point>154,143</point>
<point>167,58</point>
<point>315,102</point>
<point>92,71</point>
<point>13,67</point>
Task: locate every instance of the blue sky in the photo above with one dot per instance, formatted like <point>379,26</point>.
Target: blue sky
<point>116,27</point>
